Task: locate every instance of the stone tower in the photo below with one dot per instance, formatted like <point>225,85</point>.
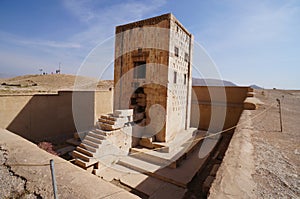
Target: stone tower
<point>152,75</point>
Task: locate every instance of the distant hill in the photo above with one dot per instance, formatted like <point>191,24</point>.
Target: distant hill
<point>211,82</point>
<point>255,86</point>
<point>53,82</point>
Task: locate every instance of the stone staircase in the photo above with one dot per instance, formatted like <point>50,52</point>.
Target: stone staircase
<point>159,170</point>
<point>86,153</point>
<point>100,144</point>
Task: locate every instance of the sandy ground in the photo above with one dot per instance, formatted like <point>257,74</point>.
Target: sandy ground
<point>261,161</point>
<point>51,83</point>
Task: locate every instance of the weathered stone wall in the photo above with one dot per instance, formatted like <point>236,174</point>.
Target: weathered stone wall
<point>227,100</point>
<point>144,41</point>
<point>179,79</point>
<point>53,117</point>
<point>152,41</point>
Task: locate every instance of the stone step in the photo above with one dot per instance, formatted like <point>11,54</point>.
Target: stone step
<point>109,127</point>
<point>79,135</point>
<point>93,139</point>
<point>111,122</point>
<point>84,151</point>
<point>114,120</point>
<point>169,154</point>
<point>65,150</point>
<point>77,154</point>
<point>112,172</point>
<point>148,157</point>
<point>106,116</point>
<point>96,135</point>
<point>92,144</point>
<point>89,148</point>
<point>179,176</point>
<point>138,165</point>
<point>161,147</point>
<point>146,168</point>
<point>123,113</point>
<point>104,133</point>
<point>73,141</point>
<point>85,165</point>
<point>147,185</point>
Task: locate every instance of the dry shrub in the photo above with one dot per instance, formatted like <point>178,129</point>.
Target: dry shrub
<point>47,146</point>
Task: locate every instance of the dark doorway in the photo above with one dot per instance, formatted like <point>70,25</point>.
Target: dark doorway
<point>138,104</point>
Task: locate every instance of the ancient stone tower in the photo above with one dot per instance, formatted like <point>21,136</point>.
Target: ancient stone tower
<point>152,75</point>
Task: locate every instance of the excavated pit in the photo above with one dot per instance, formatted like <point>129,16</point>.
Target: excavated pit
<point>234,106</point>
<point>202,181</point>
<point>200,184</point>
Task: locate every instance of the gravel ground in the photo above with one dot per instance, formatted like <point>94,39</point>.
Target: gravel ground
<point>11,185</point>
<point>276,153</point>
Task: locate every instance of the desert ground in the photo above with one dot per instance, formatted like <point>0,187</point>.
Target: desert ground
<point>276,153</point>
<point>261,161</point>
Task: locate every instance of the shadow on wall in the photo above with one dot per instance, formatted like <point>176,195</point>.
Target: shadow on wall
<point>50,117</point>
<point>233,105</point>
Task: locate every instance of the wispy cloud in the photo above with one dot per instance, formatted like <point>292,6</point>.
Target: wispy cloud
<point>19,40</point>
<point>53,44</point>
<point>254,22</point>
<point>82,9</point>
<point>90,12</point>
<point>98,19</point>
<point>101,19</point>
<point>268,22</point>
<point>257,40</point>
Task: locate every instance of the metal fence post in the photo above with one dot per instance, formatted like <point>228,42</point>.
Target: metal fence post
<point>53,178</point>
<point>278,100</point>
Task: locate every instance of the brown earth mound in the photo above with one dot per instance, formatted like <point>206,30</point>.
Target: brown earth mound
<point>51,83</point>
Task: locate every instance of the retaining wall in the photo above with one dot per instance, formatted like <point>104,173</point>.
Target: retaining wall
<point>53,117</point>
<point>227,104</point>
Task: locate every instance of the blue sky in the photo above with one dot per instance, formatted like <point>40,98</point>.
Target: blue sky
<point>251,42</point>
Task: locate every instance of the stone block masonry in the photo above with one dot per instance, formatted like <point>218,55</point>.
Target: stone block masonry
<point>117,120</point>
<point>152,66</point>
<point>113,136</point>
<point>123,113</point>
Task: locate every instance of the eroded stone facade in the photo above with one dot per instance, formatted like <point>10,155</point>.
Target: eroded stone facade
<point>152,75</point>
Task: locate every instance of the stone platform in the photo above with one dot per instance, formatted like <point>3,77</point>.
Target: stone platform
<point>147,170</point>
<point>171,153</point>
